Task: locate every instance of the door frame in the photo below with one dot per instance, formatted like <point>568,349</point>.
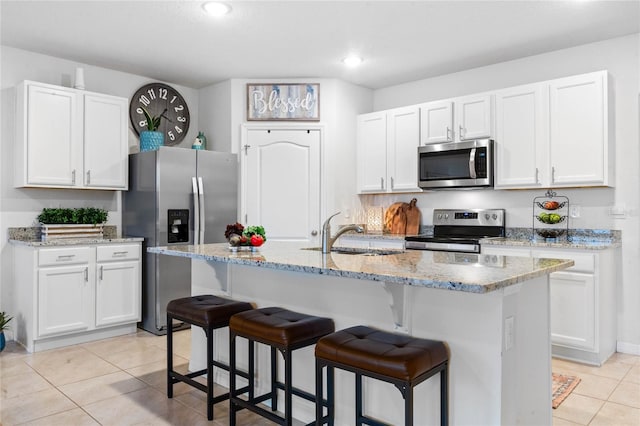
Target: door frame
<point>244,137</point>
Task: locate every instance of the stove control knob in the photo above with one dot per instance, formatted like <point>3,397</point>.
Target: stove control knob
<point>446,215</point>
<point>487,216</point>
<point>494,216</point>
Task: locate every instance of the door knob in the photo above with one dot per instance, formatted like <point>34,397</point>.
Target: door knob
<point>314,232</point>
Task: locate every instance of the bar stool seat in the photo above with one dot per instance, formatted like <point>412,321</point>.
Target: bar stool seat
<point>403,360</point>
<point>285,331</point>
<point>210,313</point>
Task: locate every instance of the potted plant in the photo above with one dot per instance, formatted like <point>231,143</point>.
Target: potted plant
<point>4,320</point>
<point>151,139</point>
<point>84,222</point>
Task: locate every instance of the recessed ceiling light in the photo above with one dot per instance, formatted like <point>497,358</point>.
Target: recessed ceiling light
<point>215,8</point>
<point>352,61</point>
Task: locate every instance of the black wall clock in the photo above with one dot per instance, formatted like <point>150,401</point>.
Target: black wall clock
<point>161,100</point>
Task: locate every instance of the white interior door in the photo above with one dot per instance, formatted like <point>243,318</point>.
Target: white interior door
<point>281,183</point>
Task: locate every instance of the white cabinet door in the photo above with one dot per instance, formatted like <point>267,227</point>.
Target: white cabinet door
<point>403,139</point>
<point>578,130</point>
<point>64,300</point>
<point>52,136</point>
<point>473,117</point>
<point>118,293</point>
<point>436,122</point>
<point>105,142</point>
<point>573,313</point>
<point>372,152</point>
<point>520,147</point>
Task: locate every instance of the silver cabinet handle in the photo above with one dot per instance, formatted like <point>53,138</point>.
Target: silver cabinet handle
<point>391,182</point>
<point>314,232</point>
<point>472,163</point>
<point>88,177</point>
<point>119,253</point>
<point>462,131</point>
<point>381,183</point>
<point>63,257</point>
<point>101,268</point>
<point>553,174</point>
<point>537,175</point>
<point>86,274</point>
<point>73,177</point>
<point>448,134</point>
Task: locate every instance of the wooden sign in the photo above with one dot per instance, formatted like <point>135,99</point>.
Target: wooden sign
<point>283,102</point>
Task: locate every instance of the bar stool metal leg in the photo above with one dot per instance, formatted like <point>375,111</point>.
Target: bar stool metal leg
<point>358,399</point>
<point>169,356</point>
<point>288,384</point>
<point>209,374</point>
<point>274,379</point>
<point>232,378</point>
<point>444,395</point>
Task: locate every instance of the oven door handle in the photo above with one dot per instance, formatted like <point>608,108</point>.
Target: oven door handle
<point>472,163</point>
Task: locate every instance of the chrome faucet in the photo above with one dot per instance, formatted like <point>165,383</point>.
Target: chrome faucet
<point>328,240</point>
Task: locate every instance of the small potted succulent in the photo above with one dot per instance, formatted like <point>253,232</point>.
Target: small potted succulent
<point>151,139</point>
<point>4,320</point>
<point>240,236</point>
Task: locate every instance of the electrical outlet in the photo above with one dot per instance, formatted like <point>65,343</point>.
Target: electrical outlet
<point>509,333</point>
<point>574,211</point>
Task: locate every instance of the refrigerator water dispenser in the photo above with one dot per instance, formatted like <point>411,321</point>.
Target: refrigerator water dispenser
<point>178,226</point>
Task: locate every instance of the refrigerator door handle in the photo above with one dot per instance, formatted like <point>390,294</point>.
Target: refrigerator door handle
<point>201,213</point>
<point>196,211</point>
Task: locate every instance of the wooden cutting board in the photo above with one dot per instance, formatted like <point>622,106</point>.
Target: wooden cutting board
<point>402,218</point>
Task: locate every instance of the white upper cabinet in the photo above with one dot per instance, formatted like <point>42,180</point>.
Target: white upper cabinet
<point>436,122</point>
<point>578,130</point>
<point>554,134</point>
<point>105,128</point>
<point>68,138</point>
<point>521,140</point>
<point>473,117</point>
<point>455,120</point>
<point>387,151</point>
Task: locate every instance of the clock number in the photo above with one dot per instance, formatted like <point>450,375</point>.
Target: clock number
<point>143,123</point>
<point>162,93</point>
<point>178,129</point>
<point>178,108</point>
<point>173,99</point>
<point>139,110</point>
<point>181,119</point>
<point>151,93</point>
<point>171,136</point>
<point>144,100</point>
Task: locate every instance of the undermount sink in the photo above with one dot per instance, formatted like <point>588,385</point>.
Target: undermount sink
<point>360,251</point>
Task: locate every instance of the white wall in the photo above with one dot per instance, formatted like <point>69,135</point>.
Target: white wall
<point>19,207</point>
<point>620,56</point>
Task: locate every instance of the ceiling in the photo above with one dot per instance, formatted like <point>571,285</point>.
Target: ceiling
<point>400,41</point>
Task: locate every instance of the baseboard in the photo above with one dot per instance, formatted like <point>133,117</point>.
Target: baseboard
<point>628,348</point>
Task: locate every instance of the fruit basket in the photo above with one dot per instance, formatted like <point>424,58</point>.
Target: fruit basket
<point>550,216</point>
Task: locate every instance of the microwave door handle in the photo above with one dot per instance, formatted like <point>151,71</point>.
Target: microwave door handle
<point>472,163</point>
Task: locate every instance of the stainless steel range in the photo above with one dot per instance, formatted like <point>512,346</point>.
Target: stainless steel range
<point>460,230</point>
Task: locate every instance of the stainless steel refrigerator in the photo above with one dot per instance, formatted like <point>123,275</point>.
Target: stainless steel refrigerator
<point>176,196</point>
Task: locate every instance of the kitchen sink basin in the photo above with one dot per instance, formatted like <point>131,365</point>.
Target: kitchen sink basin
<point>359,251</point>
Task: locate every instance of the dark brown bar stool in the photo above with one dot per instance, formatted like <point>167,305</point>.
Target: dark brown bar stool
<point>282,330</point>
<point>210,313</point>
<point>402,360</point>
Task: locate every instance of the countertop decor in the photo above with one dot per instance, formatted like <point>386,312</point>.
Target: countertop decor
<point>31,236</point>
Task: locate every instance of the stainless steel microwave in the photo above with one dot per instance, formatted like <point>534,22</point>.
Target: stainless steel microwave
<point>456,165</point>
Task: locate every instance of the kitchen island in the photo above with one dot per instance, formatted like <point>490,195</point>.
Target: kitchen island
<point>494,317</point>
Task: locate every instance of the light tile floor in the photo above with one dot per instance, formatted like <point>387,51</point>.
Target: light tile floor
<point>121,381</point>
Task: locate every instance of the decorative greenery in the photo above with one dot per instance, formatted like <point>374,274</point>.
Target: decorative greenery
<point>254,230</point>
<point>152,122</point>
<point>4,320</point>
<point>88,215</point>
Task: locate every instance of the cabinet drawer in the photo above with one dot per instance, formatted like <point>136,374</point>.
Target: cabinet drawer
<point>123,252</point>
<point>64,256</point>
<point>584,262</point>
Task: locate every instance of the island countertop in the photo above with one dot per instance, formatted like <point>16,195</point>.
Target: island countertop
<point>432,269</point>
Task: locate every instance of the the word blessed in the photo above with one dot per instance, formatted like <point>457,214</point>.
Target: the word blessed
<point>275,102</point>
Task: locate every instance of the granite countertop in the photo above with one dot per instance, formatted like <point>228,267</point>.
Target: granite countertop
<point>75,241</point>
<point>578,239</point>
<point>441,270</point>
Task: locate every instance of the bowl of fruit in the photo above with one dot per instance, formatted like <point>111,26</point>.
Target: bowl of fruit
<point>551,205</point>
<point>245,238</point>
<point>550,218</point>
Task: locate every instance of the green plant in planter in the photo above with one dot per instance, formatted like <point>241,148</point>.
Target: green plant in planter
<point>88,215</point>
<point>152,122</point>
<point>4,320</point>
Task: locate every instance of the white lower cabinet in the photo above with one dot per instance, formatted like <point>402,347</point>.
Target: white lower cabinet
<point>583,301</point>
<point>74,294</point>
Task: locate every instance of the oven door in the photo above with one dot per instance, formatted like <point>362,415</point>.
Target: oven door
<point>456,165</point>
